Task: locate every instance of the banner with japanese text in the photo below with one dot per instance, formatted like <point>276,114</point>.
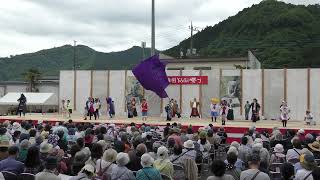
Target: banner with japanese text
<point>179,80</point>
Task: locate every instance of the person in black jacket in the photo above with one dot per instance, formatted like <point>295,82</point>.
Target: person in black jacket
<point>255,108</point>
<point>22,105</point>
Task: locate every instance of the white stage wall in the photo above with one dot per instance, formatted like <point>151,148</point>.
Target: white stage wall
<point>251,87</point>
<point>297,92</point>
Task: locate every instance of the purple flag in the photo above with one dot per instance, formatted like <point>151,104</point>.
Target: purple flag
<point>151,73</point>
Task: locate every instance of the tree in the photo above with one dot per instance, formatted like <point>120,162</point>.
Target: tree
<point>32,76</point>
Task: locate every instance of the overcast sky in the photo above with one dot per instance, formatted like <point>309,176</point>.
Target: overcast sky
<point>107,25</point>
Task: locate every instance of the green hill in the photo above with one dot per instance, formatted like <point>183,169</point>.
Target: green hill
<point>50,61</point>
<point>279,34</point>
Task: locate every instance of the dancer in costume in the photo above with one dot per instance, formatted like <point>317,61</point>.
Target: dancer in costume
<point>144,110</point>
<point>194,108</point>
<point>284,113</point>
<point>223,111</point>
<point>309,118</point>
<point>255,108</point>
<point>214,107</point>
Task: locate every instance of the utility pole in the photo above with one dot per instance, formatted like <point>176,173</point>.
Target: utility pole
<point>191,36</point>
<point>152,30</point>
<point>143,46</point>
<point>74,77</point>
<point>74,55</point>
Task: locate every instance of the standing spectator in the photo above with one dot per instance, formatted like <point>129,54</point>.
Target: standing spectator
<point>10,163</point>
<point>147,171</point>
<point>121,172</point>
<point>247,110</point>
<point>218,168</point>
<point>33,164</point>
<point>144,110</point>
<point>49,171</point>
<point>253,173</point>
<point>163,163</point>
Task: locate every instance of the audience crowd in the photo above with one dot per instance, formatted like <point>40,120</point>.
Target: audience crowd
<point>83,151</point>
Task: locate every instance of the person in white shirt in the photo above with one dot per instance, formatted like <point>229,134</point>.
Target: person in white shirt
<point>293,155</point>
<point>309,118</point>
<point>253,173</point>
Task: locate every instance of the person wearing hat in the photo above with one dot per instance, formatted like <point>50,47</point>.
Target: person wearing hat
<point>308,165</point>
<point>50,170</point>
<point>215,109</point>
<point>4,146</point>
<point>163,163</point>
<point>23,150</point>
<point>135,157</point>
<point>106,164</point>
<point>277,156</point>
<point>45,150</point>
<point>86,173</point>
<point>79,161</point>
<point>315,149</point>
<point>253,173</point>
<point>121,172</point>
<point>148,172</point>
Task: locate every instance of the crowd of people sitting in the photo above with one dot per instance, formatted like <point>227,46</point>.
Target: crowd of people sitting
<point>83,151</point>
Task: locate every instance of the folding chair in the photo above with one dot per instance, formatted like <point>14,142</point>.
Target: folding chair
<point>276,166</point>
<point>27,176</point>
<point>9,175</point>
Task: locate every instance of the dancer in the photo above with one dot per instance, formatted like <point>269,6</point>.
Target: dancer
<point>22,105</point>
<point>284,113</point>
<point>247,110</point>
<point>129,109</point>
<point>214,107</point>
<point>230,115</point>
<point>308,118</point>
<point>168,110</point>
<point>69,108</point>
<point>223,111</point>
<point>176,109</point>
<point>255,108</point>
<point>96,106</point>
<point>110,107</point>
<point>194,108</point>
<point>144,110</point>
<point>91,108</point>
<point>86,108</point>
<point>134,107</point>
<point>63,108</point>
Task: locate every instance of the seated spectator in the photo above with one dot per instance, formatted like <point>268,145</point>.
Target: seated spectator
<point>315,149</point>
<point>287,171</point>
<point>264,156</point>
<point>106,164</point>
<point>23,150</point>
<point>218,168</point>
<point>308,165</point>
<point>155,147</point>
<point>294,154</point>
<point>235,144</point>
<point>253,172</point>
<point>244,149</point>
<point>231,169</point>
<point>238,163</point>
<point>298,166</point>
<point>4,146</point>
<point>32,134</point>
<point>148,172</point>
<point>189,151</point>
<point>277,155</point>
<point>62,143</point>
<point>10,163</point>
<point>121,172</point>
<point>96,153</point>
<point>135,157</point>
<point>205,145</point>
<point>278,139</point>
<point>223,135</point>
<point>163,163</point>
<point>49,171</point>
<point>78,162</point>
<point>45,149</point>
<point>86,173</point>
<point>175,158</point>
<point>32,163</point>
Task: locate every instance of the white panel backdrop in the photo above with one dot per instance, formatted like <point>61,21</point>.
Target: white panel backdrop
<point>189,92</point>
<point>100,88</point>
<point>83,89</point>
<point>66,86</point>
<point>173,91</point>
<point>252,86</point>
<point>212,90</point>
<point>297,92</point>
<point>117,88</point>
<point>315,92</point>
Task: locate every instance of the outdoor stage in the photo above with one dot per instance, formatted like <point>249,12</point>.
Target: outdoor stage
<point>235,129</point>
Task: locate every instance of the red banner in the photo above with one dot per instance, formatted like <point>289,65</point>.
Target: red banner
<point>188,80</point>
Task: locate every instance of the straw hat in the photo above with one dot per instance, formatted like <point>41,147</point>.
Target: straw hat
<point>315,146</point>
<point>188,144</point>
<point>308,162</point>
<point>45,147</point>
<point>4,143</point>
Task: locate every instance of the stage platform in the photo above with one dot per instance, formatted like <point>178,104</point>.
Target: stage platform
<point>235,128</point>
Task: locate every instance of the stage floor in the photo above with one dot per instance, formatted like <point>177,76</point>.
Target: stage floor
<point>162,121</point>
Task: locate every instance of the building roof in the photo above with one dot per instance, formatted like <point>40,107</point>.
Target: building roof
<point>32,99</point>
<point>199,60</point>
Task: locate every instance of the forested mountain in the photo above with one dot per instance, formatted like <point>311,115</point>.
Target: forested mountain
<point>50,61</point>
<point>279,34</point>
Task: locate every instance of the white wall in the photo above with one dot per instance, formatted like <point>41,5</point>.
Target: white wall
<point>117,91</point>
<point>212,90</point>
<point>100,88</point>
<point>252,86</point>
<point>315,92</point>
<point>66,86</point>
<point>297,92</point>
<point>83,89</point>
<point>173,91</point>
